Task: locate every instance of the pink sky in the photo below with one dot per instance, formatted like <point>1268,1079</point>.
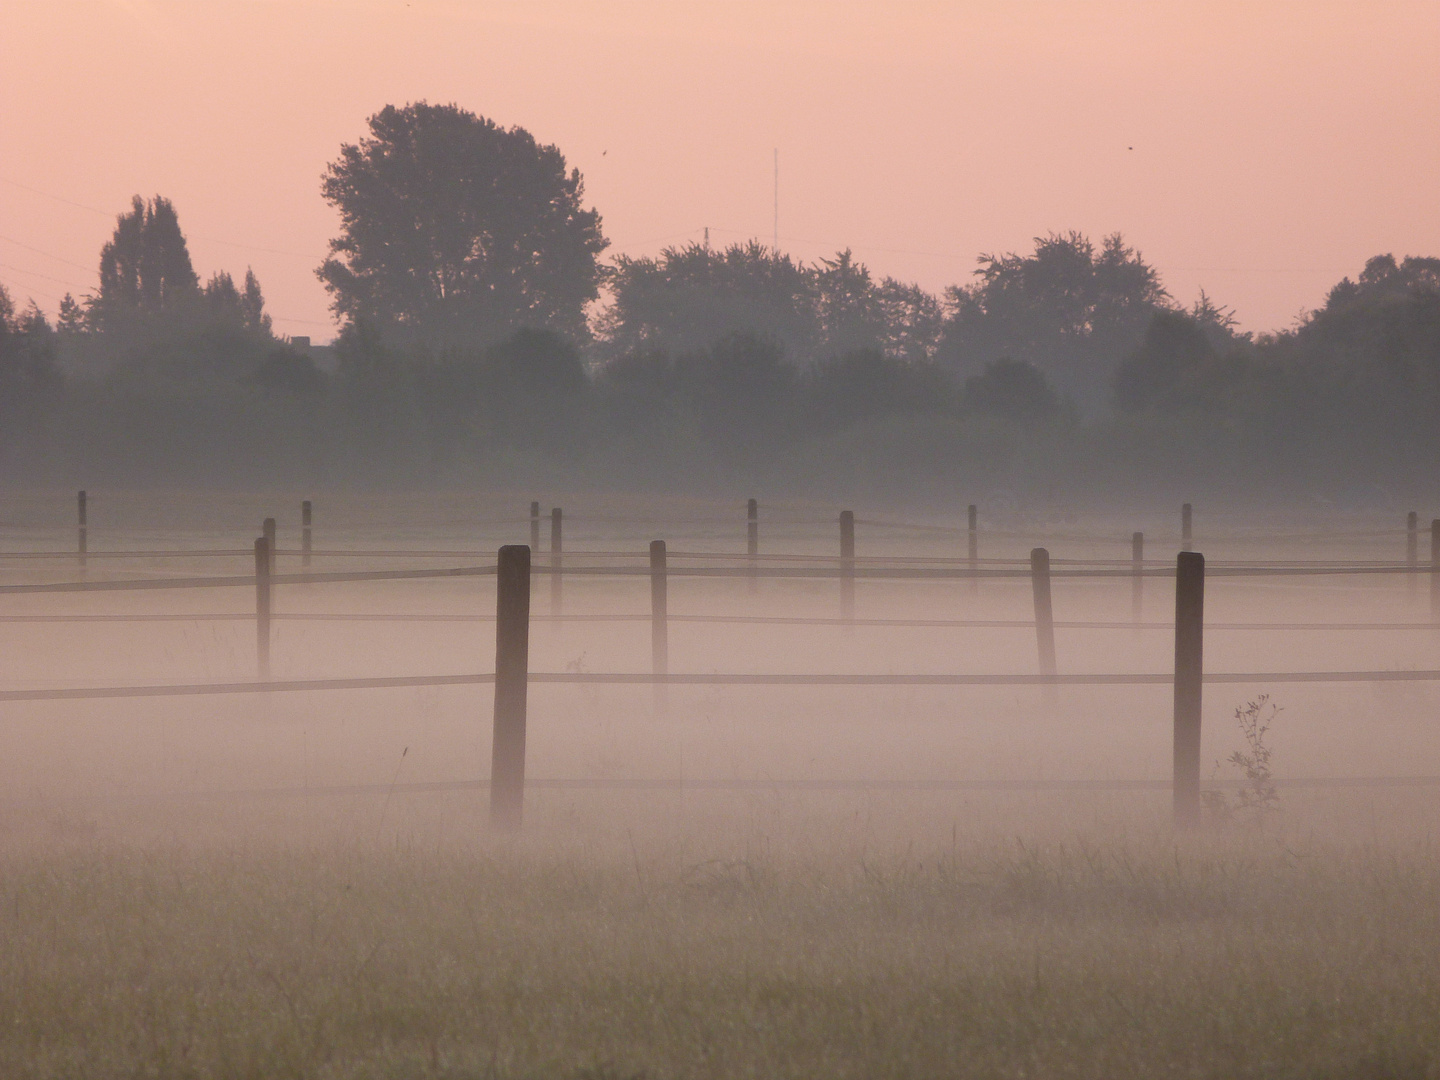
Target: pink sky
<point>1258,150</point>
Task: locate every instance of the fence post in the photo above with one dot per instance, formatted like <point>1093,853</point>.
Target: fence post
<point>82,538</point>
<point>1412,545</point>
<point>555,549</point>
<point>262,608</point>
<point>752,538</point>
<point>974,514</point>
<point>267,529</point>
<point>512,669</point>
<point>847,565</point>
<point>1189,668</point>
<point>1435,570</point>
<point>1044,614</point>
<point>534,526</point>
<point>305,545</point>
<point>1186,532</point>
<point>659,618</point>
<point>1137,574</point>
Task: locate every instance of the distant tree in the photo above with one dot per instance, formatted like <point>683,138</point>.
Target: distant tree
<point>28,370</point>
<point>914,320</point>
<point>1069,310</point>
<point>227,303</point>
<point>866,382</point>
<point>252,305</point>
<point>687,298</point>
<point>146,265</point>
<point>851,315</point>
<point>1372,352</point>
<point>1165,369</point>
<point>71,319</point>
<point>1011,390</point>
<point>456,229</point>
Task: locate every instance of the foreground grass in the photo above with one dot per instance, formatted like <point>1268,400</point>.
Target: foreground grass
<point>1222,959</point>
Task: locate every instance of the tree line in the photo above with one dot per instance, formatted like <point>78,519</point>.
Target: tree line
<point>483,331</point>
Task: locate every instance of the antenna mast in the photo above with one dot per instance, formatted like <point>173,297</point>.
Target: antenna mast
<point>777,202</point>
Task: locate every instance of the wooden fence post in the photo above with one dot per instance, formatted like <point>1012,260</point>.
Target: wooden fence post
<point>1412,545</point>
<point>534,526</point>
<point>555,555</point>
<point>83,538</point>
<point>305,544</point>
<point>1189,669</point>
<point>847,565</point>
<point>974,515</point>
<point>659,618</point>
<point>1137,574</point>
<point>512,671</point>
<point>1044,613</point>
<point>1435,570</point>
<point>752,538</point>
<point>262,608</point>
<point>267,529</point>
<point>1186,531</point>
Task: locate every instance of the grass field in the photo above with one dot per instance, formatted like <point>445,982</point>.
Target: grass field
<point>897,882</point>
<point>1225,956</point>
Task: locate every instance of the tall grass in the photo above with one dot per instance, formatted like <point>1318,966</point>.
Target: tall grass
<point>1229,957</point>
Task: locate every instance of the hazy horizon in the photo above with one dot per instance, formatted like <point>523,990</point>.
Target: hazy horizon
<point>1260,152</point>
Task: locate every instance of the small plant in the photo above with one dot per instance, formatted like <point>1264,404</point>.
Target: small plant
<point>1256,798</point>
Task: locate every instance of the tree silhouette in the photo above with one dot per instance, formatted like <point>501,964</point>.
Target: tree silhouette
<point>458,230</point>
<point>146,265</point>
<point>1071,311</point>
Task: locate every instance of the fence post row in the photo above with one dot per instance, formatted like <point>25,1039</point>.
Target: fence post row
<point>305,545</point>
<point>1189,668</point>
<point>659,610</point>
<point>974,521</point>
<point>262,608</point>
<point>1435,570</point>
<point>555,549</point>
<point>82,537</point>
<point>512,666</point>
<point>659,618</point>
<point>752,537</point>
<point>847,564</point>
<point>1186,533</point>
<point>1044,614</point>
<point>267,529</point>
<point>1137,574</point>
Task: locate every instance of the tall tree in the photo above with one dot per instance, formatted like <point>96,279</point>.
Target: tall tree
<point>458,229</point>
<point>146,265</point>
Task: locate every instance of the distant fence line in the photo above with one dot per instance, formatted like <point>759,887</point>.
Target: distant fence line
<point>517,565</point>
<point>598,678</point>
<point>855,572</point>
<point>758,620</point>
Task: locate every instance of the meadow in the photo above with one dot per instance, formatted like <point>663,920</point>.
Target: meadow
<point>728,881</point>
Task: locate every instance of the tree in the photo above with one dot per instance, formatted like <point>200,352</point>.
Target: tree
<point>28,370</point>
<point>229,304</point>
<point>146,265</point>
<point>687,298</point>
<point>1163,371</point>
<point>851,316</point>
<point>1012,390</point>
<point>1067,309</point>
<point>455,229</point>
